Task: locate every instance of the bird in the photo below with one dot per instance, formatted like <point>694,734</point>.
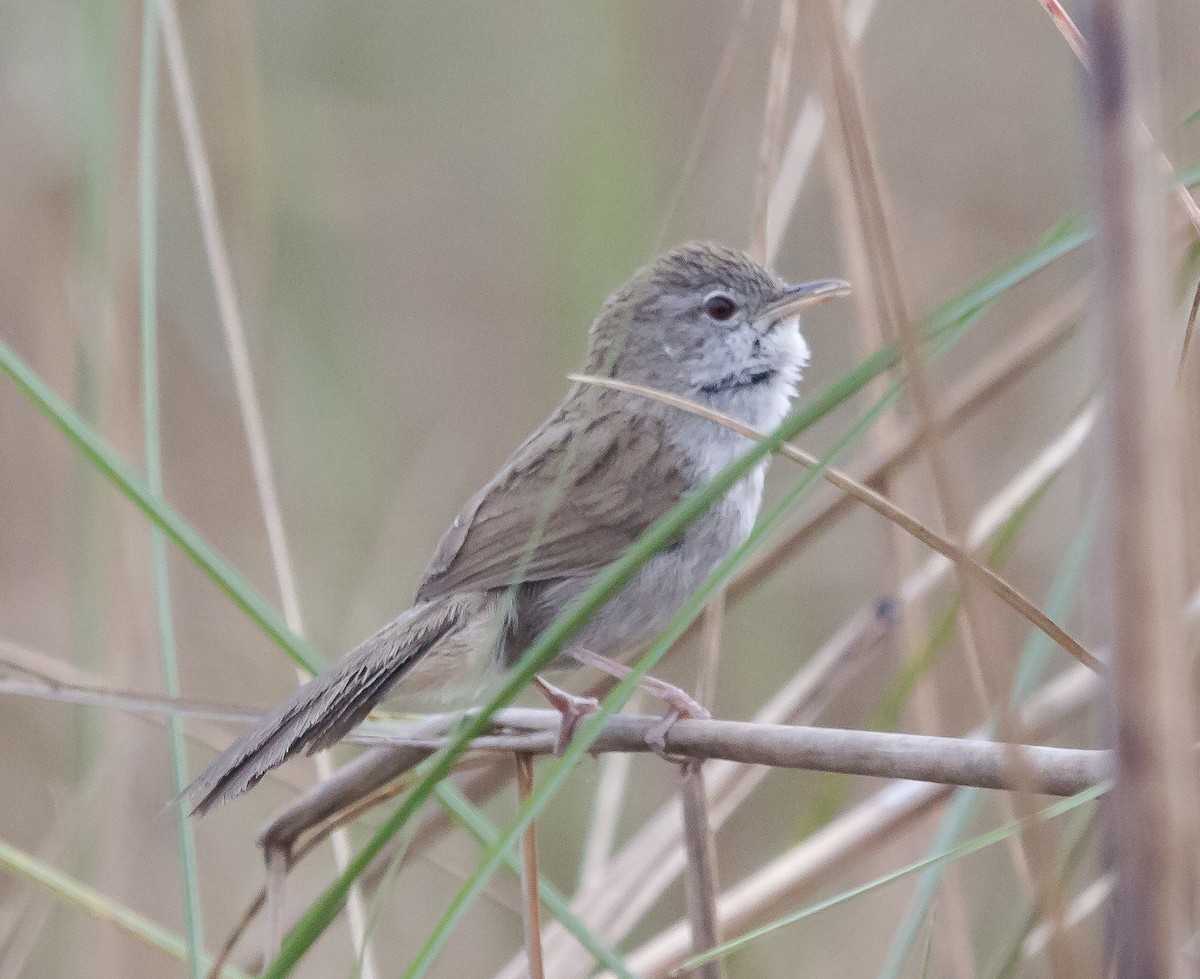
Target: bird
<point>703,321</point>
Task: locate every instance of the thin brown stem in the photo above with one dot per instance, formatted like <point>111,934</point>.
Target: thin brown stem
<point>701,878</point>
<point>977,626</point>
<point>531,916</point>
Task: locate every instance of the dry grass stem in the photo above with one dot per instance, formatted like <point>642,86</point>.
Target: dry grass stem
<point>700,881</point>
<point>1075,40</point>
<point>1151,833</point>
<point>56,680</point>
<point>885,508</point>
<point>772,131</point>
<point>531,917</point>
<point>870,222</point>
<point>803,141</point>
<point>882,754</point>
<point>612,779</point>
<point>1090,900</point>
<point>877,819</point>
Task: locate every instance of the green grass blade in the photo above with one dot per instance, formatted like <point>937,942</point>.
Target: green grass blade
<point>148,257</point>
<point>161,515</point>
<point>72,891</point>
<point>964,849</point>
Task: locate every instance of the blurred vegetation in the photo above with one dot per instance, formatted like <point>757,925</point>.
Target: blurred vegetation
<point>425,205</point>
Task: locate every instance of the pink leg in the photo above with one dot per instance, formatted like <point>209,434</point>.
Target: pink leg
<point>572,708</point>
<point>679,702</point>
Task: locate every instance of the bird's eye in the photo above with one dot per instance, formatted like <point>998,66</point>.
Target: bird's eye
<point>719,306</point>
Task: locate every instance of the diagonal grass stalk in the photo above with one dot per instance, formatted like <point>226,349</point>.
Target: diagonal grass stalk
<point>1029,672</point>
<point>830,796</point>
<point>964,849</point>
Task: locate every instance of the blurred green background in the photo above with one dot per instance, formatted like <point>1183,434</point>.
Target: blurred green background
<point>425,205</point>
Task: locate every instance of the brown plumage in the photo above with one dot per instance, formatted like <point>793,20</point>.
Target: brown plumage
<point>704,321</point>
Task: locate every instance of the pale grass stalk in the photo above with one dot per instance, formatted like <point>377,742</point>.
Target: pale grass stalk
<point>1078,45</point>
<point>147,197</point>
<point>778,82</point>
<point>902,551</point>
<point>1086,903</point>
<point>978,626</point>
<point>803,142</point>
<point>1075,40</point>
<point>1151,833</point>
<point>249,407</point>
<point>160,706</point>
<point>71,891</point>
<point>61,681</point>
<point>612,778</point>
<point>810,865</point>
<point>701,878</point>
<point>652,860</point>
<point>985,576</point>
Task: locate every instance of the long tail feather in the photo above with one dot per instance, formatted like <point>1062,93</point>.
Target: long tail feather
<point>329,706</point>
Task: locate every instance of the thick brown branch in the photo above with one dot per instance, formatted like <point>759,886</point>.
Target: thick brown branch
<point>884,754</point>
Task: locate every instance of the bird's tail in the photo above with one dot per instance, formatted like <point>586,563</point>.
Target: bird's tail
<point>325,709</point>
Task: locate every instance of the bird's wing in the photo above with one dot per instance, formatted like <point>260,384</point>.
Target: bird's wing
<point>568,502</point>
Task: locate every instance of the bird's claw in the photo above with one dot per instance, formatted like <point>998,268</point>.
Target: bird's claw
<point>680,706</point>
<point>571,707</point>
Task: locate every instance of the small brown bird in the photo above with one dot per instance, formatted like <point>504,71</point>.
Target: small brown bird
<point>703,321</point>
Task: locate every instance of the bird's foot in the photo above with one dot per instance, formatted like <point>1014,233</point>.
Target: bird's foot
<point>680,704</point>
<point>571,707</point>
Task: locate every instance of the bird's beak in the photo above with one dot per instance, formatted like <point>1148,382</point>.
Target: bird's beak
<point>796,298</point>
